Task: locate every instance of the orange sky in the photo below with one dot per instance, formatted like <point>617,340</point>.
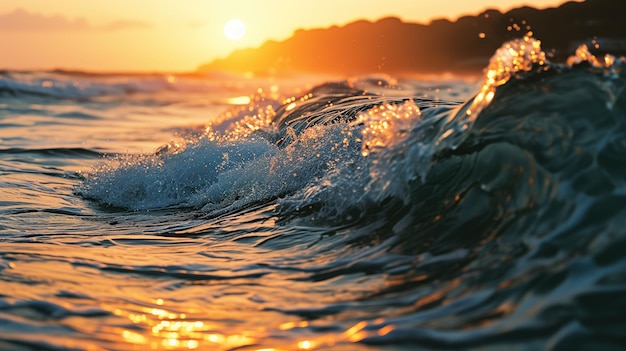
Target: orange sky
<point>179,35</point>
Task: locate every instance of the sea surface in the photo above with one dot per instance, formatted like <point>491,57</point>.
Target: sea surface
<point>298,212</point>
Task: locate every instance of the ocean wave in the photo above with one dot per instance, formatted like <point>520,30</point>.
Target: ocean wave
<point>367,210</point>
<point>55,152</point>
<point>343,147</point>
<point>76,85</point>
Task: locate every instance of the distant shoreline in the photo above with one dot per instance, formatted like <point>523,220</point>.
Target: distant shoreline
<point>460,47</point>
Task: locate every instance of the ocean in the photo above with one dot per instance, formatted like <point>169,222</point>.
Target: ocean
<point>309,212</point>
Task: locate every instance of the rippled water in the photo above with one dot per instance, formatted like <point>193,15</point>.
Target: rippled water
<point>154,212</point>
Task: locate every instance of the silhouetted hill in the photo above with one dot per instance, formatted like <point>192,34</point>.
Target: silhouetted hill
<point>392,46</point>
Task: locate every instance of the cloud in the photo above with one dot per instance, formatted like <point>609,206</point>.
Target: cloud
<point>126,24</point>
<point>22,20</point>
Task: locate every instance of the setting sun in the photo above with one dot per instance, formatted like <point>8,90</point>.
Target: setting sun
<point>141,36</point>
<point>234,29</point>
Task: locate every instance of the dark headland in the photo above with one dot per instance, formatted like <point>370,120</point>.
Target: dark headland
<point>461,46</point>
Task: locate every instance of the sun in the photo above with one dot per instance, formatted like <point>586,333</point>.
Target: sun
<point>234,29</point>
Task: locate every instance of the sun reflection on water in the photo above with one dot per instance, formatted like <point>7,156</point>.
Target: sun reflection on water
<point>173,331</point>
<point>384,124</point>
<point>239,100</point>
<point>512,59</point>
<point>167,330</point>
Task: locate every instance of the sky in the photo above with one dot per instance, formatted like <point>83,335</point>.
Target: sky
<point>180,35</point>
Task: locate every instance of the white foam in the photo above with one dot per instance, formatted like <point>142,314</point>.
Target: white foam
<point>171,178</point>
<point>337,167</point>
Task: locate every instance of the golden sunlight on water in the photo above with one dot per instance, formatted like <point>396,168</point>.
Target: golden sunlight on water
<point>520,55</point>
<point>584,55</point>
<point>257,114</point>
<point>385,124</point>
<point>239,100</point>
<point>175,331</point>
<point>513,57</point>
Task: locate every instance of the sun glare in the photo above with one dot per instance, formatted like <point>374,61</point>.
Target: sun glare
<point>234,29</point>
